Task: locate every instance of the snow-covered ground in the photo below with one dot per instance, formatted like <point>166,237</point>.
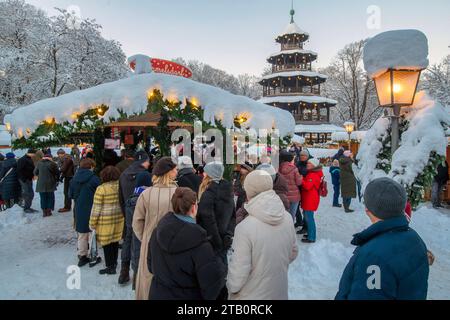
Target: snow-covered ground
<point>35,254</point>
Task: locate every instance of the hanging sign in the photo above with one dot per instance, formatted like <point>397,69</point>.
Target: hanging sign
<point>129,139</point>
<point>112,144</point>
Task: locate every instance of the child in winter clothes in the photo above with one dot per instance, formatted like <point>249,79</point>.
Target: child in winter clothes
<point>335,172</point>
<point>311,197</point>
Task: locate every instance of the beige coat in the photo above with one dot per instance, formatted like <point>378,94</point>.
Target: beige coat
<point>264,245</point>
<point>151,206</point>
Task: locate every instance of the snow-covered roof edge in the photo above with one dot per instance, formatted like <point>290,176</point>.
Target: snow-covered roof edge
<point>292,28</point>
<point>131,95</point>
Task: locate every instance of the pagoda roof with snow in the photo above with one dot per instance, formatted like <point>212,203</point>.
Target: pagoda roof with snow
<point>130,95</point>
<point>292,29</point>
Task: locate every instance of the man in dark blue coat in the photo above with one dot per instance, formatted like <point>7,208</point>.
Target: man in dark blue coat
<point>82,190</point>
<point>391,261</point>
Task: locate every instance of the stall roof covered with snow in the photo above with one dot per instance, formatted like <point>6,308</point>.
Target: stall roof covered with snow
<point>131,96</point>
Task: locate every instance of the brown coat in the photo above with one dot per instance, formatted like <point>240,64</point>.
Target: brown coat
<point>67,167</point>
<point>153,204</point>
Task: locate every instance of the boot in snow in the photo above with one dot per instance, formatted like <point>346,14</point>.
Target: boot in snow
<point>108,270</point>
<point>95,261</point>
<point>124,277</point>
<point>84,260</point>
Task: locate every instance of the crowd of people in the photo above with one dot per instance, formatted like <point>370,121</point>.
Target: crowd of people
<point>186,232</point>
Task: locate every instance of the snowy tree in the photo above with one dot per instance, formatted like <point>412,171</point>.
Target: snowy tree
<point>23,33</point>
<point>249,86</point>
<point>436,80</point>
<point>349,84</point>
<point>43,57</point>
<point>246,85</point>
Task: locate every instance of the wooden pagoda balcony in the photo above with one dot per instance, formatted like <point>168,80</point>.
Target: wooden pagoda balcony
<point>301,120</point>
<point>270,92</point>
<point>291,67</point>
<point>291,46</point>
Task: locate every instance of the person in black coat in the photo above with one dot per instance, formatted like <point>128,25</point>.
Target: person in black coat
<point>216,210</point>
<point>25,173</point>
<point>440,180</point>
<point>82,190</point>
<point>127,184</point>
<point>186,175</point>
<point>9,186</point>
<point>180,257</point>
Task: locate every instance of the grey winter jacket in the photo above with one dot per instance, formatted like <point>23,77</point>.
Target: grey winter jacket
<point>48,174</point>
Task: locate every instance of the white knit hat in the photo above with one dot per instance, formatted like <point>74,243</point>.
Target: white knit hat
<point>315,162</point>
<point>185,162</point>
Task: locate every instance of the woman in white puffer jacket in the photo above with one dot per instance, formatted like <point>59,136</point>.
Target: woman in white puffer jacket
<point>264,245</point>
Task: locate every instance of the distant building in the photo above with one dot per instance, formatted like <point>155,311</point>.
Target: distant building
<point>295,87</point>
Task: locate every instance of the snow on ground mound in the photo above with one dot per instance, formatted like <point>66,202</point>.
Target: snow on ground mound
<point>317,272</point>
<point>14,217</point>
<point>399,49</point>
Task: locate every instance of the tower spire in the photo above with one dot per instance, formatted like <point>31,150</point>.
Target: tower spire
<point>292,12</point>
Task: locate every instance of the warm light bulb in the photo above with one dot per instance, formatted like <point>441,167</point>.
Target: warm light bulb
<point>397,88</point>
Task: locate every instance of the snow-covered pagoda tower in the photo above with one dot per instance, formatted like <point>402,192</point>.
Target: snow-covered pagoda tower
<point>294,86</point>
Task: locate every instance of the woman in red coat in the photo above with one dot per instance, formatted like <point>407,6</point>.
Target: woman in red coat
<point>311,197</point>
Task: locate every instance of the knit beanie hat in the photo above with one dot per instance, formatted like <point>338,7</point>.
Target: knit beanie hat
<point>61,151</point>
<point>185,163</point>
<point>286,156</point>
<point>163,166</point>
<point>269,169</point>
<point>257,182</point>
<point>315,162</point>
<point>385,198</point>
<point>48,154</point>
<point>214,170</point>
<point>10,155</point>
<point>141,157</point>
<point>304,153</point>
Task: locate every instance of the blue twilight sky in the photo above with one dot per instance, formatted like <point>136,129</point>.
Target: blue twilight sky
<point>238,35</point>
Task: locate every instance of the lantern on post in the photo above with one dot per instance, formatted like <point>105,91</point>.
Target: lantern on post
<point>349,127</point>
<point>395,60</point>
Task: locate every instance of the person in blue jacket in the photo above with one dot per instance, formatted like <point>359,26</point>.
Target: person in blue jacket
<point>335,172</point>
<point>82,190</point>
<point>390,261</point>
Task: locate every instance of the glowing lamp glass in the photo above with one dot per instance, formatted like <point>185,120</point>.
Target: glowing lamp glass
<point>349,126</point>
<point>397,87</point>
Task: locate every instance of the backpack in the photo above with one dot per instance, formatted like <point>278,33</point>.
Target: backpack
<point>323,188</point>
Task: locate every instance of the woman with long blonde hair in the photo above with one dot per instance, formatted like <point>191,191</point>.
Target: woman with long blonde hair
<point>153,204</point>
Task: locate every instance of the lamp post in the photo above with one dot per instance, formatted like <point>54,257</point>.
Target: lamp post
<point>396,88</point>
<point>349,127</point>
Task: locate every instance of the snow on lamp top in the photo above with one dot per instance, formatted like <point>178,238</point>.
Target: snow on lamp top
<point>140,63</point>
<point>399,49</point>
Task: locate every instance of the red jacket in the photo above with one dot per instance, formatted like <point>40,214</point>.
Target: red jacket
<point>310,190</point>
<point>294,180</point>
